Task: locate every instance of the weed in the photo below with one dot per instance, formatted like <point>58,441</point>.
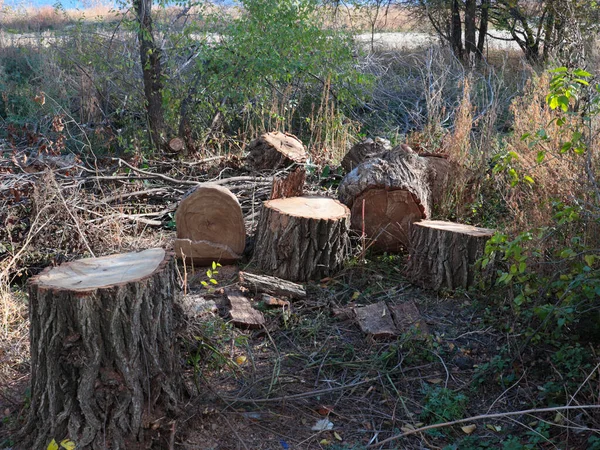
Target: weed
<point>442,405</point>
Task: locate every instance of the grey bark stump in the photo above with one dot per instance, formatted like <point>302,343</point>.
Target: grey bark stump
<point>103,355</point>
<point>302,238</point>
<point>443,254</point>
<point>275,150</point>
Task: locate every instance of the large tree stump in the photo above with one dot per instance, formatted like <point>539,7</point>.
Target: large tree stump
<point>442,254</point>
<point>210,226</point>
<point>302,238</point>
<point>275,150</point>
<point>389,192</point>
<point>103,354</point>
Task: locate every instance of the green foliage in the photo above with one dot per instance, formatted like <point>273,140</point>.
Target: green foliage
<point>443,405</point>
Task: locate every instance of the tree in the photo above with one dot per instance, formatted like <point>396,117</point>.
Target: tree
<point>150,58</point>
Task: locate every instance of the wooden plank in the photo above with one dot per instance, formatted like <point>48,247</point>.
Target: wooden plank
<point>407,318</point>
<point>376,320</point>
<point>241,312</point>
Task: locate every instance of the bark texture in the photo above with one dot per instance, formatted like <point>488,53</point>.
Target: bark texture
<point>389,192</point>
<point>275,150</point>
<point>364,150</point>
<point>302,238</point>
<point>442,254</point>
<point>272,285</point>
<point>103,356</point>
<point>290,186</point>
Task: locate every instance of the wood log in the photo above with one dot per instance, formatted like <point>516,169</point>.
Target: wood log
<point>289,186</point>
<point>275,150</point>
<point>176,145</point>
<point>302,238</point>
<point>396,188</point>
<point>210,226</point>
<point>104,359</point>
<point>272,285</point>
<point>364,150</point>
<point>443,254</point>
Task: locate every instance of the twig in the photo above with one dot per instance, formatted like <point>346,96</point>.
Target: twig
<point>482,417</point>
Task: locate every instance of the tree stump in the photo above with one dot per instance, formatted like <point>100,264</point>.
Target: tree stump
<point>442,254</point>
<point>364,150</point>
<point>210,226</point>
<point>302,238</point>
<point>103,354</point>
<point>290,186</point>
<point>275,150</point>
<point>387,193</point>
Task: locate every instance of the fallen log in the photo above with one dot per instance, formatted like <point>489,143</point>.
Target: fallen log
<point>302,238</point>
<point>103,350</point>
<point>443,254</point>
<point>275,150</point>
<point>387,193</point>
<point>210,226</point>
<point>364,150</point>
<point>272,285</point>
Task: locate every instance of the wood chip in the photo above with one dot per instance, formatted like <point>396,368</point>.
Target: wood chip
<point>241,312</point>
<point>376,320</point>
<point>407,318</point>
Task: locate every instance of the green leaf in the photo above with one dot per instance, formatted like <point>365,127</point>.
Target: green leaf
<point>214,265</point>
<point>589,260</point>
<point>53,445</point>
<point>540,156</point>
<point>528,179</point>
<point>553,103</point>
<point>213,281</point>
<point>67,444</point>
<point>581,73</point>
<point>204,283</point>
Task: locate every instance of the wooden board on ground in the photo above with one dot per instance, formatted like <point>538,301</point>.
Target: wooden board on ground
<point>100,329</point>
<point>408,319</point>
<point>275,150</point>
<point>272,285</point>
<point>210,226</point>
<point>375,320</point>
<point>302,238</point>
<point>443,254</point>
<point>241,312</point>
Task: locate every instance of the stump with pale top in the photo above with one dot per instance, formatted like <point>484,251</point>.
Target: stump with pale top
<point>302,238</point>
<point>103,353</point>
<point>443,254</point>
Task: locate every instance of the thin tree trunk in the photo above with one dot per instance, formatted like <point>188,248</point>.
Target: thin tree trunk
<point>483,27</point>
<point>456,30</point>
<point>470,29</point>
<point>150,57</point>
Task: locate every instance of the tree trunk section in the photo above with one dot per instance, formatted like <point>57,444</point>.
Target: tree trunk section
<point>470,30</point>
<point>210,226</point>
<point>456,30</point>
<point>289,186</point>
<point>483,28</point>
<point>275,150</point>
<point>103,352</point>
<point>443,254</point>
<point>389,192</point>
<point>302,238</point>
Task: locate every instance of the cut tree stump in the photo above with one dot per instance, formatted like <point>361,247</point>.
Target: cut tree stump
<point>442,254</point>
<point>290,186</point>
<point>302,238</point>
<point>387,193</point>
<point>103,352</point>
<point>376,320</point>
<point>275,150</point>
<point>272,285</point>
<point>210,226</point>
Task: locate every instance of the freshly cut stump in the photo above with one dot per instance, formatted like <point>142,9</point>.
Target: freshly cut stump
<point>442,254</point>
<point>103,353</point>
<point>275,150</point>
<point>289,186</point>
<point>302,238</point>
<point>210,226</point>
<point>397,188</point>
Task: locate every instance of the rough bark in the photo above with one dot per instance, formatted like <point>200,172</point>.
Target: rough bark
<point>470,30</point>
<point>272,285</point>
<point>456,30</point>
<point>364,150</point>
<point>290,186</point>
<point>275,150</point>
<point>103,354</point>
<point>442,254</point>
<point>389,192</point>
<point>210,226</point>
<point>302,238</point>
<point>483,27</point>
<point>150,57</point>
